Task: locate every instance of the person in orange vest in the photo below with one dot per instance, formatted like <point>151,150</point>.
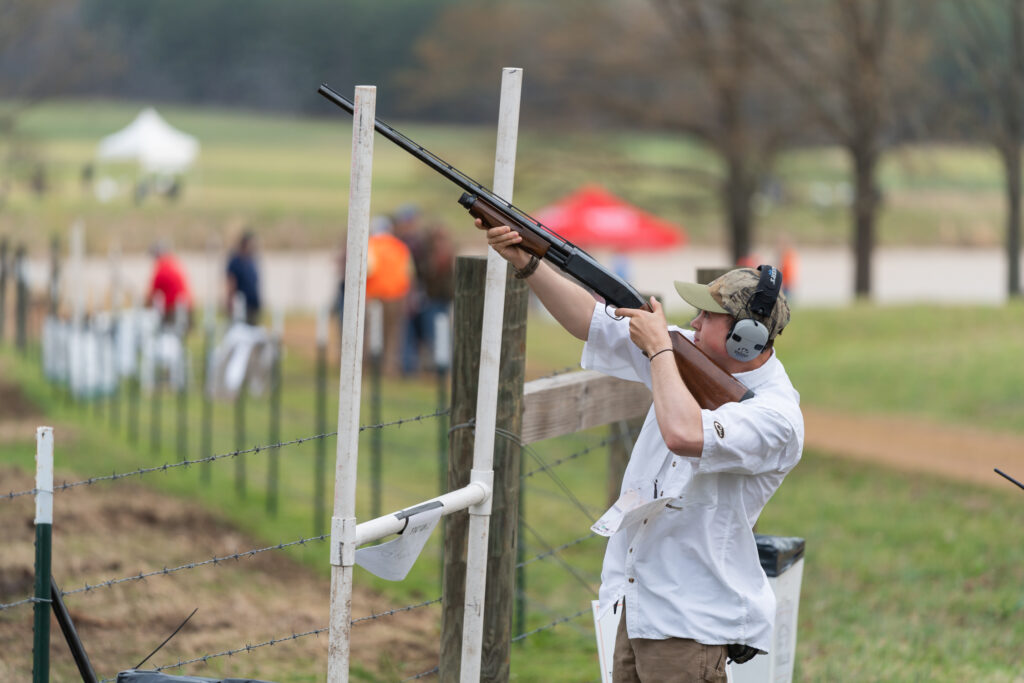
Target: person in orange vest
<point>389,274</point>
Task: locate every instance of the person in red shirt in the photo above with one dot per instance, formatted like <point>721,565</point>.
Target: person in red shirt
<point>170,282</point>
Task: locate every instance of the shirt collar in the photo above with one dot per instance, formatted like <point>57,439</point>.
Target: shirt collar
<point>755,378</point>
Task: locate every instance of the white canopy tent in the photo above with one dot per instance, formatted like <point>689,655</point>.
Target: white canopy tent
<point>152,142</point>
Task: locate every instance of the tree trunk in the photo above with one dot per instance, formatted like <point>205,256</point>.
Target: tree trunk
<point>865,204</point>
<point>1012,163</point>
<point>738,196</point>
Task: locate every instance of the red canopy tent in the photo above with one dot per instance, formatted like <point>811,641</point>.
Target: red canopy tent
<point>593,217</point>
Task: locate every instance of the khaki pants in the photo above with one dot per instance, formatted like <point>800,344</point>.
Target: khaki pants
<point>673,660</point>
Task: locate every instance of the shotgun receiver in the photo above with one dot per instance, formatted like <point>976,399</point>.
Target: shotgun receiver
<point>710,384</point>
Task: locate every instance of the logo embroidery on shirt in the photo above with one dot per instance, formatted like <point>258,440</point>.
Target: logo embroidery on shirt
<point>719,429</point>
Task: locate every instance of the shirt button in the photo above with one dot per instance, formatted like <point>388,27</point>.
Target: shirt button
<point>630,550</point>
<point>673,463</point>
<point>645,521</point>
<point>632,580</point>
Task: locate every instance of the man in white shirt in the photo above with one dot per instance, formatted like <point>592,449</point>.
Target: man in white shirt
<point>685,573</point>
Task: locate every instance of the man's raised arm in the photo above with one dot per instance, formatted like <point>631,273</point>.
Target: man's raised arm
<point>570,304</point>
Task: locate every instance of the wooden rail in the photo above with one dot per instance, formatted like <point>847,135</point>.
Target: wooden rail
<point>563,404</point>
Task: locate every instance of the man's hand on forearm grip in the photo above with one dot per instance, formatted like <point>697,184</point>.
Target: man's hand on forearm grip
<point>505,241</point>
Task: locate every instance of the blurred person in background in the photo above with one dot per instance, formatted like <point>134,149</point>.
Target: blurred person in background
<point>435,274</point>
<point>389,277</point>
<point>169,285</point>
<point>243,277</point>
<point>407,225</point>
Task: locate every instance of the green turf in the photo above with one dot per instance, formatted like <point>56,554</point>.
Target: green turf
<point>907,577</point>
<point>287,177</point>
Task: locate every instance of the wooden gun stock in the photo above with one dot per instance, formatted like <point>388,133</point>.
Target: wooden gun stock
<point>492,217</point>
<point>710,385</point>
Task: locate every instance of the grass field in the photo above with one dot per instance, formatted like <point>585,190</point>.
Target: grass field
<point>288,178</point>
<point>908,577</point>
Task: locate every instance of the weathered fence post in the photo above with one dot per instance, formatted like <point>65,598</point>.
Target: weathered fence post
<point>375,337</point>
<point>468,320</point>
<point>238,310</point>
<point>181,323</point>
<point>206,426</point>
<point>21,298</point>
<point>3,287</point>
<point>274,404</point>
<point>320,417</point>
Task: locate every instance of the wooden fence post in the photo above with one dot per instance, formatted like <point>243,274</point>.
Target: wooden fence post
<point>470,275</point>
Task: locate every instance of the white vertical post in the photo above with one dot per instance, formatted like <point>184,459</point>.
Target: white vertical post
<point>77,249</point>
<point>343,522</point>
<point>487,392</point>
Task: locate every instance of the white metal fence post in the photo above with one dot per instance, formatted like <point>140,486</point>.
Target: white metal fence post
<point>487,396</point>
<point>343,523</point>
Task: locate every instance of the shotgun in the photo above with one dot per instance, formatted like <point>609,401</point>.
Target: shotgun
<point>707,381</point>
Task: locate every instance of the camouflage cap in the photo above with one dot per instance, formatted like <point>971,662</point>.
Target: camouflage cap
<point>731,293</point>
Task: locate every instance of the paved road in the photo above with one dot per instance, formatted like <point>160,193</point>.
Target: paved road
<point>307,280</point>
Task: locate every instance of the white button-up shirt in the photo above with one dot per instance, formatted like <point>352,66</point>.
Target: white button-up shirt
<point>691,569</point>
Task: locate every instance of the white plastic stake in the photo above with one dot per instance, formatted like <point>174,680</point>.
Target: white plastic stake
<point>487,396</point>
<point>44,475</point>
<point>343,523</point>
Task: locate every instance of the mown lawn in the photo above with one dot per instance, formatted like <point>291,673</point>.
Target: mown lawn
<point>287,178</point>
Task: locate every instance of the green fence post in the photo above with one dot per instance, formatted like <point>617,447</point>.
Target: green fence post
<point>274,457</point>
<point>44,537</point>
<point>320,464</point>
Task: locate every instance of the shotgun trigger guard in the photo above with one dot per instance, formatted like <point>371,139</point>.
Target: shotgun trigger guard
<point>612,315</point>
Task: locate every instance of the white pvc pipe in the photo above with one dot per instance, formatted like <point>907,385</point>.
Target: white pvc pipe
<point>453,501</point>
<point>44,475</point>
<point>442,342</point>
<point>343,523</point>
<point>77,253</point>
<point>487,393</point>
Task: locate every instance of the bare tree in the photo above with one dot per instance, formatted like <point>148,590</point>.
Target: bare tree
<point>679,65</point>
<point>44,51</point>
<point>842,60</point>
<point>728,100</point>
<point>989,38</point>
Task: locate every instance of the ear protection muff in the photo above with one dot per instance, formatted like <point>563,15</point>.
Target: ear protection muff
<point>748,336</point>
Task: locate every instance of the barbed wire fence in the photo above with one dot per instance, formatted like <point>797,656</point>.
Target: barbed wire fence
<point>547,551</point>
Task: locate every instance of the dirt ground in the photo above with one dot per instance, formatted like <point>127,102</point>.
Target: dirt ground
<point>955,452</point>
<point>119,530</point>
